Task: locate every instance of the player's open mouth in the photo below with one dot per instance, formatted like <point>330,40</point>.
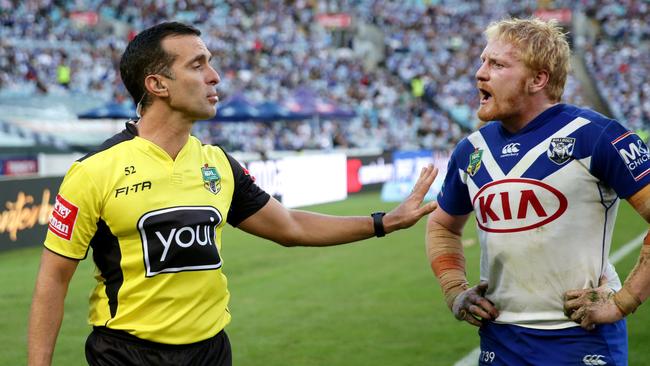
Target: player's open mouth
<point>485,95</point>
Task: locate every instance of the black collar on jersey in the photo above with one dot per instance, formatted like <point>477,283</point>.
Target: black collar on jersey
<point>130,132</point>
<point>131,127</point>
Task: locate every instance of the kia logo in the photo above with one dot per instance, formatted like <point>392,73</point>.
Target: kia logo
<point>517,204</point>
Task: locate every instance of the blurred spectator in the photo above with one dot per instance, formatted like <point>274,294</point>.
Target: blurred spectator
<point>63,72</point>
<point>418,97</point>
<point>620,59</point>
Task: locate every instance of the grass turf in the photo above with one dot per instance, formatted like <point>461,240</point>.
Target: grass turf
<point>371,303</point>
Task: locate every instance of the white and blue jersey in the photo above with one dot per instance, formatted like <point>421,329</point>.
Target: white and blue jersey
<point>545,200</point>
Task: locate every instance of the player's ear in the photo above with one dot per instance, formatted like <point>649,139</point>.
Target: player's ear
<point>156,85</point>
<point>538,81</point>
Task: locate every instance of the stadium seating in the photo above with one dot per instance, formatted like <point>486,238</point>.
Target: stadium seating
<point>618,58</point>
<point>421,94</point>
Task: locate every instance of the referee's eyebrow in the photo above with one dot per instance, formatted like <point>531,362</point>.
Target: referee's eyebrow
<point>201,58</point>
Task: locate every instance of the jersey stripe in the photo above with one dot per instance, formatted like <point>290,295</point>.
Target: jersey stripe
<point>534,153</point>
<point>488,161</point>
<point>107,256</point>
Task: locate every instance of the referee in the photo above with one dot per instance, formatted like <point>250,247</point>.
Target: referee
<point>152,203</point>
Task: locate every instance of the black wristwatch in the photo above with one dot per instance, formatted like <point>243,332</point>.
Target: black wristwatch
<point>377,220</point>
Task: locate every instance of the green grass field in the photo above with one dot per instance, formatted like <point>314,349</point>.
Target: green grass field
<point>371,303</point>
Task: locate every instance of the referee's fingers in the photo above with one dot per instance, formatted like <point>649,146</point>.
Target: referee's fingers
<point>427,175</point>
<point>428,208</point>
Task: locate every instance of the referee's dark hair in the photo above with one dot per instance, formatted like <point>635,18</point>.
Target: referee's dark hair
<point>145,56</point>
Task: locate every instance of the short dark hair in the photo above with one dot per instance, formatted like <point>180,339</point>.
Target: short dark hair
<point>145,56</point>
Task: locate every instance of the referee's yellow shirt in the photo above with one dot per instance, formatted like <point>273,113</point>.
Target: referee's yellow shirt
<point>155,228</point>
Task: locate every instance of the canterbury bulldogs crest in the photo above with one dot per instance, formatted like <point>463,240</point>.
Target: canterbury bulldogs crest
<point>560,149</point>
<point>211,179</point>
<point>179,239</point>
<point>511,149</point>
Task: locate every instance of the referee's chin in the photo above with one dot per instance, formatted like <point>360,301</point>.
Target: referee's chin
<point>206,116</point>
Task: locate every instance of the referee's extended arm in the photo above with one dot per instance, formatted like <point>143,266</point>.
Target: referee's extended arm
<point>302,228</point>
<point>46,314</point>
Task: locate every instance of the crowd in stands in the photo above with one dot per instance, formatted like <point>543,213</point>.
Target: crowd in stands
<point>421,95</point>
<point>619,58</point>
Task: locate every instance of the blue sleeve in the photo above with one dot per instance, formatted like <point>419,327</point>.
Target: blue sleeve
<point>621,160</point>
<point>454,196</point>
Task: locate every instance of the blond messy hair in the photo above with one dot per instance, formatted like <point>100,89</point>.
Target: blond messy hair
<point>541,45</point>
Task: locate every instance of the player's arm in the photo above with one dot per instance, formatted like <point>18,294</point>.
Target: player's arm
<point>46,314</point>
<point>302,228</point>
<point>637,283</point>
<point>445,253</point>
<point>601,305</point>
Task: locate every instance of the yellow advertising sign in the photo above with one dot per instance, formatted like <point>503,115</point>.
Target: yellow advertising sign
<point>24,212</point>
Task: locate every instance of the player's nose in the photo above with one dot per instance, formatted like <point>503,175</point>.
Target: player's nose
<point>481,73</point>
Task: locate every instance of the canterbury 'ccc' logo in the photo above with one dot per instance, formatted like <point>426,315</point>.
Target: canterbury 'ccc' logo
<point>179,239</point>
<point>511,149</point>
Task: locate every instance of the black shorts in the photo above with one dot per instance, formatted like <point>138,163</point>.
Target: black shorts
<point>106,347</point>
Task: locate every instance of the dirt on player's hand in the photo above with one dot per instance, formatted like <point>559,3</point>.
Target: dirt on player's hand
<point>472,307</point>
<point>592,306</point>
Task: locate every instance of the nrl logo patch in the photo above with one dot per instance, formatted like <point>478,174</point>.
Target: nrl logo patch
<point>211,179</point>
<point>474,162</point>
<point>560,149</point>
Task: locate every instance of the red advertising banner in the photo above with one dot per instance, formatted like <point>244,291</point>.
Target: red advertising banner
<point>21,166</point>
<point>562,15</point>
<point>334,20</point>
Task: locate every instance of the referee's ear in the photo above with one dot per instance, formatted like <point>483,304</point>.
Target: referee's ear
<point>156,86</point>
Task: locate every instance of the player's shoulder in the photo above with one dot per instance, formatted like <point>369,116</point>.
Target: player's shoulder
<point>594,121</point>
<point>467,144</point>
<point>487,128</point>
<point>110,146</point>
<point>217,154</point>
<point>98,165</point>
<point>208,149</point>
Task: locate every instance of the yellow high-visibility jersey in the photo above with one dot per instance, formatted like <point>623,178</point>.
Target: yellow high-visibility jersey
<point>154,225</point>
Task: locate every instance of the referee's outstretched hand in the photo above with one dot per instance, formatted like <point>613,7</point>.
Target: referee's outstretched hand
<point>411,209</point>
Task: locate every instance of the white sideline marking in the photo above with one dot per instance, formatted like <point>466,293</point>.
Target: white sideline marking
<point>471,358</point>
<point>626,249</point>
